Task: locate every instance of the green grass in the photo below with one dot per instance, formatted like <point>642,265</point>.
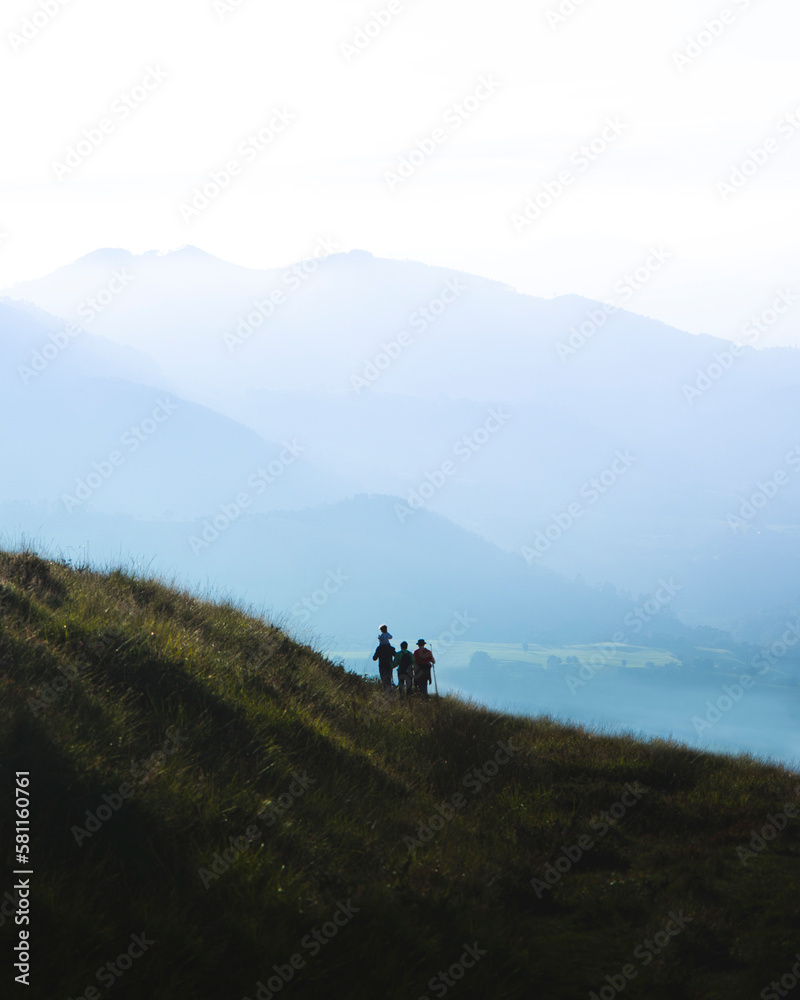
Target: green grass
<point>254,710</point>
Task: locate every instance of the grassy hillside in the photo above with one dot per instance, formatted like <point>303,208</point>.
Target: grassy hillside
<point>258,815</point>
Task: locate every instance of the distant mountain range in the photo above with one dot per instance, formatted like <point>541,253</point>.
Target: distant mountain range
<point>509,416</point>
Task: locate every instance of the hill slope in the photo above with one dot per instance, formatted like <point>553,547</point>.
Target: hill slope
<point>224,808</point>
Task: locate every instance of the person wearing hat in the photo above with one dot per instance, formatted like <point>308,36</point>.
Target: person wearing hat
<point>423,661</point>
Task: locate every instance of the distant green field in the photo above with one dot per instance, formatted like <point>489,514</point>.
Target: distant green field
<point>724,657</point>
<point>457,656</point>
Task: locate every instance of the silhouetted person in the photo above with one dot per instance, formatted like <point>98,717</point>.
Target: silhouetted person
<point>404,662</point>
<point>423,661</point>
<point>384,654</point>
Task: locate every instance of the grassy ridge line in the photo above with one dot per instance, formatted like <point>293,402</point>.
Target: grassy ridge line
<point>342,789</point>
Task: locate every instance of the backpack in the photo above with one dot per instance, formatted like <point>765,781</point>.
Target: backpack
<point>406,662</point>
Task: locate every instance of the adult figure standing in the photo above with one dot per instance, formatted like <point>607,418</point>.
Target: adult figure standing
<point>404,662</point>
<point>423,661</point>
<point>384,654</point>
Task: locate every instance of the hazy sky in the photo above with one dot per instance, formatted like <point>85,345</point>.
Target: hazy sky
<point>623,117</point>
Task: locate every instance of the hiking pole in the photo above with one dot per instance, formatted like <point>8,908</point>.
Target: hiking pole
<point>435,684</point>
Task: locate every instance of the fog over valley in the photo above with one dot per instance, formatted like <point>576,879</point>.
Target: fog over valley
<point>351,439</point>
